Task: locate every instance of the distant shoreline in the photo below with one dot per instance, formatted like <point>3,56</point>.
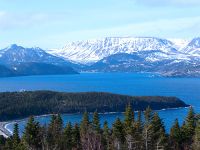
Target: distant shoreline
<point>6,132</point>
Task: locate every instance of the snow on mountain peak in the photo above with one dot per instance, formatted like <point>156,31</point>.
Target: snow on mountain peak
<point>179,44</point>
<point>94,50</point>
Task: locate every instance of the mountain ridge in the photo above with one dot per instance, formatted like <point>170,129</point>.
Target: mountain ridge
<point>91,51</point>
<point>173,57</point>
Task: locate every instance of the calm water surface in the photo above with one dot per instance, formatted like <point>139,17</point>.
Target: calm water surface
<point>187,89</point>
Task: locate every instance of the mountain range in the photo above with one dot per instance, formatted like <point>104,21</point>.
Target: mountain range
<point>167,57</point>
<point>19,61</point>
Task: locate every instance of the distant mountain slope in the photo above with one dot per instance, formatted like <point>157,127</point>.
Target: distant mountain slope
<point>32,61</point>
<point>193,47</point>
<point>140,62</point>
<point>95,50</point>
<point>6,72</point>
<point>41,69</point>
<point>173,57</point>
<point>19,54</point>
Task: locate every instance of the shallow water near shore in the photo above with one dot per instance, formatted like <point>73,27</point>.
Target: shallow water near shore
<point>187,89</point>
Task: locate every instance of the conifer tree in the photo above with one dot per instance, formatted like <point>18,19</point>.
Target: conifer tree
<point>129,118</point>
<point>188,129</point>
<point>96,122</point>
<point>129,126</point>
<point>68,137</point>
<point>118,134</point>
<point>31,135</point>
<point>76,137</point>
<point>190,123</point>
<point>84,123</point>
<point>54,132</point>
<point>137,134</point>
<point>15,138</point>
<point>2,141</point>
<point>148,114</point>
<point>196,138</point>
<point>106,135</point>
<point>175,135</point>
<point>148,129</point>
<point>158,126</point>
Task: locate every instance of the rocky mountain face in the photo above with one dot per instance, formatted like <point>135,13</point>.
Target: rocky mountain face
<point>95,50</point>
<point>113,54</point>
<point>143,54</point>
<point>17,60</point>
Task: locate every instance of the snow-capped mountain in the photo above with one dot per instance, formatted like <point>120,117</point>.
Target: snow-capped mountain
<point>17,60</point>
<point>95,50</point>
<point>173,57</point>
<point>19,54</point>
<point>193,48</point>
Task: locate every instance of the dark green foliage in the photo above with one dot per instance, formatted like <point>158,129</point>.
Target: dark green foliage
<point>84,123</point>
<point>129,120</point>
<point>189,127</point>
<point>76,137</point>
<point>54,132</point>
<point>118,134</point>
<point>2,142</point>
<point>196,138</point>
<point>32,137</point>
<point>16,105</point>
<point>96,122</point>
<point>148,134</point>
<point>106,135</point>
<point>15,138</point>
<point>175,135</point>
<point>158,137</point>
<point>67,137</point>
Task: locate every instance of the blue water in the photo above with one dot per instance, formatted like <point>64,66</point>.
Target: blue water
<point>187,89</point>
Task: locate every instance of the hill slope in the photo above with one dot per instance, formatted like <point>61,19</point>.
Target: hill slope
<point>17,105</point>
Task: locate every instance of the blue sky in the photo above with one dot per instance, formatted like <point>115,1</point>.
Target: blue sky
<point>52,23</point>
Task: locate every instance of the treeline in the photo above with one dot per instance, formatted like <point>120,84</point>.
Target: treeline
<point>17,105</point>
<point>132,133</point>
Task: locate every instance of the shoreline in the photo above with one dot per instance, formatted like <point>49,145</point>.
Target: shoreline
<point>7,132</point>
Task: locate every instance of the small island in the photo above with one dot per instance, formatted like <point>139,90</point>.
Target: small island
<point>18,105</point>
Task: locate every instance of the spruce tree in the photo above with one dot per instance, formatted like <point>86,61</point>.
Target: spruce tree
<point>76,137</point>
<point>84,123</point>
<point>54,131</point>
<point>158,126</point>
<point>190,123</point>
<point>176,135</point>
<point>148,130</point>
<point>96,122</point>
<point>15,138</point>
<point>2,141</point>
<point>68,137</point>
<point>32,135</point>
<point>188,129</point>
<point>128,118</point>
<point>148,114</point>
<point>118,133</point>
<point>106,135</point>
<point>196,138</point>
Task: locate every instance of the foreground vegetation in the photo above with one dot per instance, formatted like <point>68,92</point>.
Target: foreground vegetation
<point>132,133</point>
<point>16,105</point>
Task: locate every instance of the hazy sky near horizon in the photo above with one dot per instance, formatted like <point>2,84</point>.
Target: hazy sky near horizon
<point>52,23</point>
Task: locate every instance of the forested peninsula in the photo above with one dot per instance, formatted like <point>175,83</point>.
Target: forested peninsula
<point>17,105</point>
